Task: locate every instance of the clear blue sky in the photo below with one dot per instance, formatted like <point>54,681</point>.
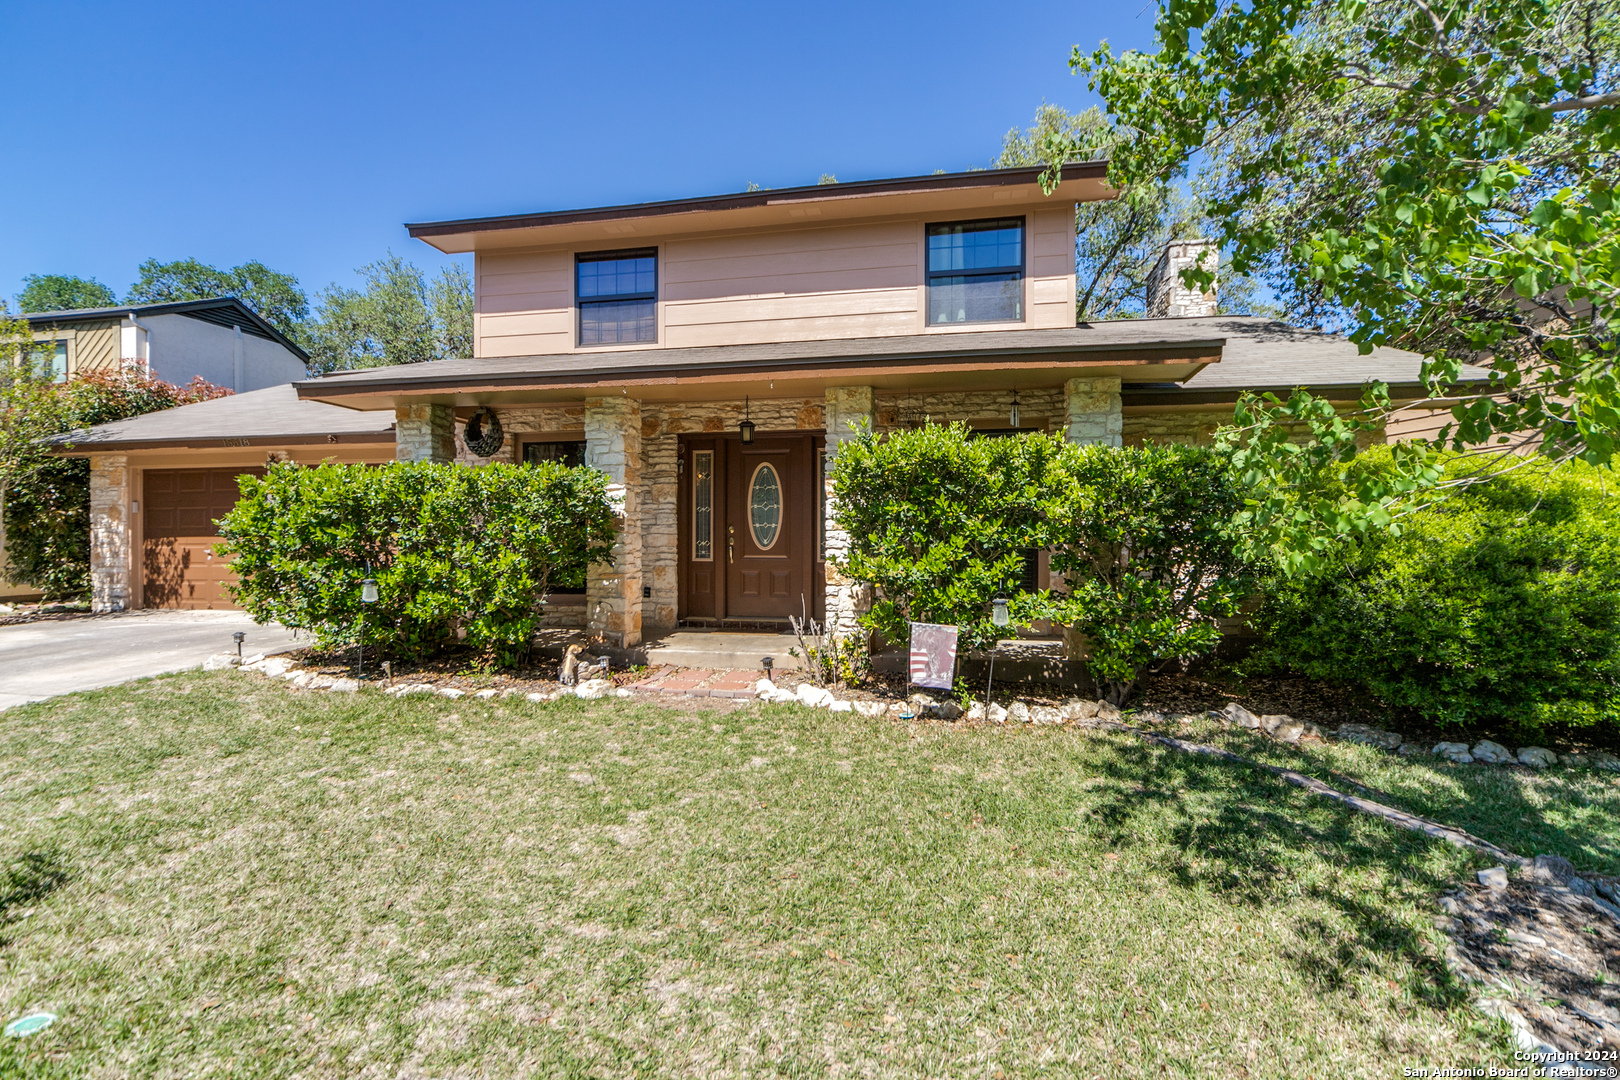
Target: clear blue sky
<point>305,134</point>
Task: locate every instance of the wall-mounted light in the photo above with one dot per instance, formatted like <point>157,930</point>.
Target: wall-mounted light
<point>1012,422</point>
<point>746,428</point>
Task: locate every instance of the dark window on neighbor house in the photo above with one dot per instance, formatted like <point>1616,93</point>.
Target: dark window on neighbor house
<point>976,271</point>
<point>571,454</point>
<point>618,297</point>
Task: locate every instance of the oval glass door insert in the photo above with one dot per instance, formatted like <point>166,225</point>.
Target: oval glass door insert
<point>765,506</point>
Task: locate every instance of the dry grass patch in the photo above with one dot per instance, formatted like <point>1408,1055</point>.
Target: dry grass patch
<point>230,878</point>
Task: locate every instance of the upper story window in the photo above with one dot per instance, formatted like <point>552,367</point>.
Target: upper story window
<point>976,271</point>
<point>618,297</point>
<point>49,359</point>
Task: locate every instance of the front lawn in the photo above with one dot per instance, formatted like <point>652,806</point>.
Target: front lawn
<point>214,875</point>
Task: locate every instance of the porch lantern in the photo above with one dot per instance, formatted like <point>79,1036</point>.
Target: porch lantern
<point>1012,422</point>
<point>746,428</point>
<point>368,591</point>
<point>998,612</point>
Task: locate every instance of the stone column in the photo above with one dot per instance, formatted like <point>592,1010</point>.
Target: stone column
<point>1093,411</point>
<point>660,530</point>
<point>613,589</point>
<point>110,568</point>
<point>424,433</point>
<point>849,410</point>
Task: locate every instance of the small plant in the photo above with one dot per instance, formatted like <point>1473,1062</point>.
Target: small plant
<point>829,660</point>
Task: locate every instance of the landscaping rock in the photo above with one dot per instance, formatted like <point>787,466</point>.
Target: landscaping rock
<point>1018,713</point>
<point>975,711</point>
<point>1453,751</point>
<point>1574,761</point>
<point>1537,757</point>
<point>1270,722</point>
<point>1491,753</point>
<point>622,692</point>
<point>1237,714</point>
<point>591,689</point>
<point>996,714</point>
<point>252,659</point>
<point>535,697</point>
<point>1551,870</point>
<point>870,709</point>
<point>1368,735</point>
<point>1289,731</point>
<point>451,692</point>
<point>764,688</point>
<point>1106,711</point>
<point>1046,714</point>
<point>485,695</point>
<point>300,679</point>
<point>320,682</point>
<point>344,686</point>
<point>1076,709</point>
<point>1608,761</point>
<point>416,690</point>
<point>841,706</point>
<point>221,661</point>
<point>275,666</point>
<point>1494,878</point>
<point>814,696</point>
<point>1409,749</point>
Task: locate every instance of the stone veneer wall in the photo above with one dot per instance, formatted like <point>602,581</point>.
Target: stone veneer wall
<point>110,541</point>
<point>1197,428</point>
<point>1040,409</point>
<point>613,589</point>
<point>424,433</point>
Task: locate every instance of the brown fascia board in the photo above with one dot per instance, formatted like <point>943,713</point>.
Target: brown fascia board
<point>1189,352</point>
<point>1074,170</point>
<point>246,442</point>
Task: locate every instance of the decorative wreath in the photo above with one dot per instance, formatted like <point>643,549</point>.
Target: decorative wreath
<point>480,441</point>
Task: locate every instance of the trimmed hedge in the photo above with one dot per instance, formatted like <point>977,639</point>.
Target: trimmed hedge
<point>457,552</point>
<point>1499,606</point>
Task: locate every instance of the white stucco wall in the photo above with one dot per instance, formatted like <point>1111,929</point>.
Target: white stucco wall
<point>182,347</point>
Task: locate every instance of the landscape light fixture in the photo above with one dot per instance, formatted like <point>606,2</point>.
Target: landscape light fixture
<point>239,637</point>
<point>1012,422</point>
<point>999,618</point>
<point>368,595</point>
<point>746,428</point>
<point>766,662</point>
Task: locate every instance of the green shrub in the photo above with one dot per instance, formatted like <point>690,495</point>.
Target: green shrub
<point>456,551</point>
<point>939,522</point>
<point>47,499</point>
<point>1147,540</point>
<point>1498,606</point>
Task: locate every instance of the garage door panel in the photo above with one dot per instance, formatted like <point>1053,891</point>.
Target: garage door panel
<point>178,560</point>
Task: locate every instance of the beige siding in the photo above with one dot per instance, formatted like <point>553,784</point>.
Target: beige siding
<point>96,349</point>
<point>789,284</point>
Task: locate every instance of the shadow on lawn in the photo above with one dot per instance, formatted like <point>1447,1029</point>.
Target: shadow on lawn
<point>1249,837</point>
<point>26,880</point>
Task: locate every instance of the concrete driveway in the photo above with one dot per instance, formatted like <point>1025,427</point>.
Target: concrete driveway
<point>42,659</point>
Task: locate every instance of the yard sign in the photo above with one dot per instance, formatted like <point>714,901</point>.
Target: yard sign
<point>933,655</point>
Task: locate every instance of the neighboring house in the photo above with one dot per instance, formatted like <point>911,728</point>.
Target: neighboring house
<point>220,340</point>
<point>711,354</point>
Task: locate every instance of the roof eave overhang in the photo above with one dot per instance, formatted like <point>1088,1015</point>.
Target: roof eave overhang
<point>460,235</point>
<point>1178,362</point>
<point>1337,393</point>
<point>82,449</point>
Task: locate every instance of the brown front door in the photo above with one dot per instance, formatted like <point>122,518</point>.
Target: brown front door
<point>748,525</point>
<point>180,507</point>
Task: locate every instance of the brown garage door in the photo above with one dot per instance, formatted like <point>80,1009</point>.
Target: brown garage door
<point>181,507</point>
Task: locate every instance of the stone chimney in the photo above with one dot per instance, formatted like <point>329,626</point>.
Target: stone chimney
<point>1167,297</point>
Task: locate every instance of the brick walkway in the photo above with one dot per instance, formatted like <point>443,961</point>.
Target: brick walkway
<point>702,682</point>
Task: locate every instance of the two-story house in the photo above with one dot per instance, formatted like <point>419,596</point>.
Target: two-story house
<point>711,354</point>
